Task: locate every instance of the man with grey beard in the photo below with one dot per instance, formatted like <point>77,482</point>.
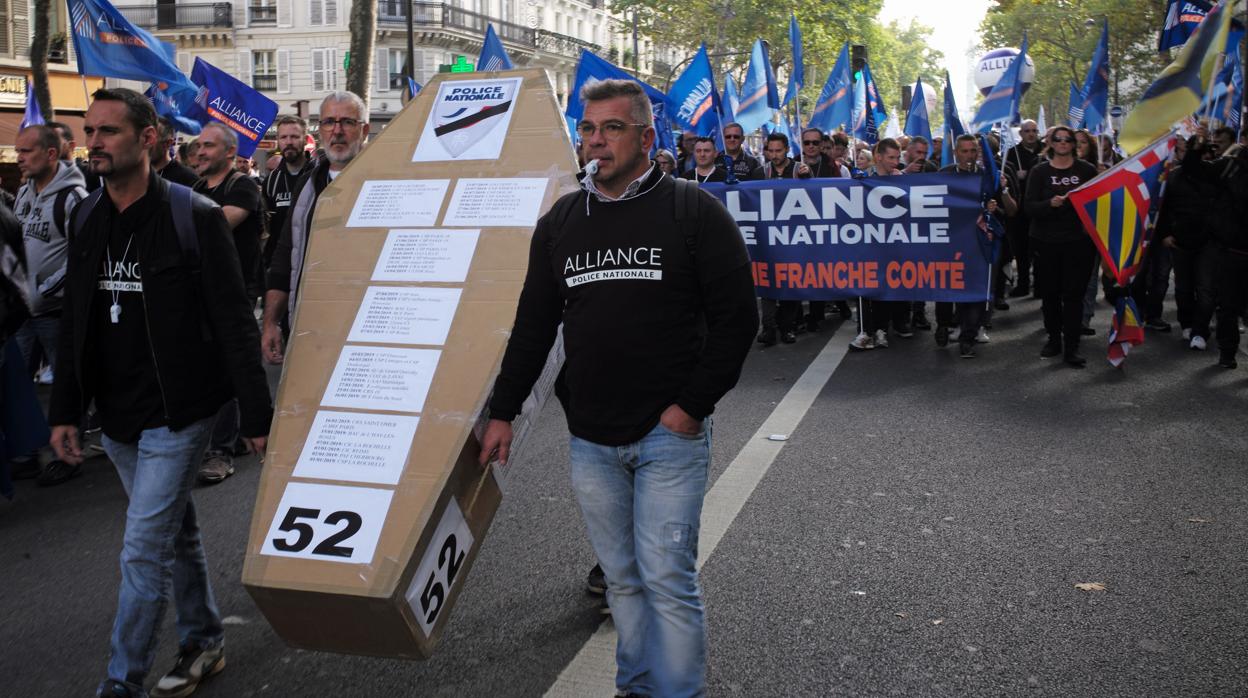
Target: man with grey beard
<point>344,128</point>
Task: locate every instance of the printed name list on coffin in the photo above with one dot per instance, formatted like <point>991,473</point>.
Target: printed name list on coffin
<point>906,238</point>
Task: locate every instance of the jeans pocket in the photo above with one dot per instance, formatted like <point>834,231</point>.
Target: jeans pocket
<point>686,437</point>
<point>677,536</point>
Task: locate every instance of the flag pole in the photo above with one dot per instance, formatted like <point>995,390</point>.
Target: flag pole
<point>86,94</point>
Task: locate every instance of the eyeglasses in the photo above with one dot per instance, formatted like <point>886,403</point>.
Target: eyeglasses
<point>346,124</point>
<point>1063,139</point>
<point>611,130</point>
<point>732,137</point>
<point>811,142</point>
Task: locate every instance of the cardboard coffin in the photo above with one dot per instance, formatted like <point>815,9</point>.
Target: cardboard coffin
<point>371,506</point>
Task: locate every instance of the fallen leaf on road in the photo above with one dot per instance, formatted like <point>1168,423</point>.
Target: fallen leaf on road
<point>1199,521</point>
<point>938,621</point>
<point>1091,586</point>
<point>902,615</point>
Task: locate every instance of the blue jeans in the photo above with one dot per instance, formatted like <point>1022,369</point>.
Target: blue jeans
<point>43,330</point>
<point>161,553</point>
<point>642,505</point>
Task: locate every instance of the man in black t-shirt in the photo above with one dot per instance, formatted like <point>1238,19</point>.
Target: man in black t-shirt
<point>165,166</point>
<point>292,139</point>
<point>239,198</point>
<point>704,168</point>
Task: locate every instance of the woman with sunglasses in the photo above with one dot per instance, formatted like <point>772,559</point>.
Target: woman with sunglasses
<point>1064,254</point>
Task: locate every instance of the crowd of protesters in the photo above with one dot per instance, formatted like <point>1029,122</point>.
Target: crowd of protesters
<point>131,283</point>
<point>1045,253</point>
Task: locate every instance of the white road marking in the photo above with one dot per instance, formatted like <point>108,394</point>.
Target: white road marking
<point>592,671</point>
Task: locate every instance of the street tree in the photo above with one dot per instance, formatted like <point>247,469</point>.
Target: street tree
<point>360,58</point>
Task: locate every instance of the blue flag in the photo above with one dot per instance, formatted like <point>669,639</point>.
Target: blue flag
<point>1094,95</point>
<point>493,55</point>
<point>917,122</point>
<point>108,45</point>
<point>694,99</point>
<point>759,97</point>
<point>1001,104</point>
<point>797,74</point>
<point>836,101</point>
<point>33,115</point>
<point>591,68</point>
<point>1182,18</point>
<point>869,110</point>
<point>1074,114</point>
<point>953,124</point>
<point>728,105</point>
<point>413,88</point>
<point>224,98</point>
<point>174,104</point>
<point>1225,101</point>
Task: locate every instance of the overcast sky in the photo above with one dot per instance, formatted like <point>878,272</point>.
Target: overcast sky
<point>955,25</point>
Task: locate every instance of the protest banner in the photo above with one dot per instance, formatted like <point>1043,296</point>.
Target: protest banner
<point>912,238</point>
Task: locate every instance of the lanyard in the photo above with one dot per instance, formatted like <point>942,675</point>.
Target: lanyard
<point>114,274</point>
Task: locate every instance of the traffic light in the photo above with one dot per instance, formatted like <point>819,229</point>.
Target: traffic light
<point>857,59</point>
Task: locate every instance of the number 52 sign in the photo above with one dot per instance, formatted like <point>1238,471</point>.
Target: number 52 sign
<point>328,522</point>
<point>440,567</point>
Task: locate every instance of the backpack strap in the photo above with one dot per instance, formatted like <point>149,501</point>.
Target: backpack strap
<point>686,203</point>
<point>179,198</point>
<point>58,210</point>
<point>83,211</point>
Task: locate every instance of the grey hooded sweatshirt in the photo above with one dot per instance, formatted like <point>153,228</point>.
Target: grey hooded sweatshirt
<point>47,246</point>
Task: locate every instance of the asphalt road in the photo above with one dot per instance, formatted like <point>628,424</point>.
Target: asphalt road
<point>920,534</point>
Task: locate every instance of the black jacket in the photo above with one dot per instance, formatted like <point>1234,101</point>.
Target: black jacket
<point>13,310</point>
<point>1226,180</point>
<point>203,336</point>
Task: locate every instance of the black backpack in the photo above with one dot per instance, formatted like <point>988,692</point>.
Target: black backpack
<point>177,196</point>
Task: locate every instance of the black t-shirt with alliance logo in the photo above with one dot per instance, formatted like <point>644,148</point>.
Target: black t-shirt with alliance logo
<point>127,391</point>
<point>647,321</point>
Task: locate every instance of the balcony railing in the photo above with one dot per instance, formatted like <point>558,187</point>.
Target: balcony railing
<point>262,16</point>
<point>437,14</point>
<point>563,44</point>
<point>264,83</point>
<point>183,16</point>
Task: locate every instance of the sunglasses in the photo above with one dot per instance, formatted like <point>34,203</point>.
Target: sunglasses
<point>731,137</point>
<point>1063,140</point>
<point>811,142</point>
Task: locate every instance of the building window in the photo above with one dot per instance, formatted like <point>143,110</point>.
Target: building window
<point>507,10</point>
<point>264,70</point>
<point>322,12</point>
<point>398,68</point>
<point>261,13</point>
<point>324,70</point>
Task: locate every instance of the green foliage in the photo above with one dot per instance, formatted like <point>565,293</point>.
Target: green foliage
<point>1062,35</point>
<point>897,54</point>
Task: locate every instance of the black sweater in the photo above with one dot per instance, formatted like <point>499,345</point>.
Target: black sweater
<point>654,312</point>
<point>1045,181</point>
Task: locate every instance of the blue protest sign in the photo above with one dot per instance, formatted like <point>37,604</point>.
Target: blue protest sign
<point>225,98</point>
<point>905,238</point>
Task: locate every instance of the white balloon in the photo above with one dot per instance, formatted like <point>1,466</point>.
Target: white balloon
<point>992,65</point>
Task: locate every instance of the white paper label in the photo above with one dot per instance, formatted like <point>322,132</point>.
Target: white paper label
<point>382,378</point>
<point>327,522</point>
<point>438,256</point>
<point>514,202</point>
<point>468,121</point>
<point>357,447</point>
<point>391,315</point>
<point>385,203</point>
<point>440,567</point>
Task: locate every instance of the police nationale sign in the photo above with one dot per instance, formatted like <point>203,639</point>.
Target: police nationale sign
<point>890,238</point>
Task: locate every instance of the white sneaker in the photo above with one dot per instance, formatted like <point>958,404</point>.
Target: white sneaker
<point>881,339</point>
<point>1187,333</point>
<point>982,337</point>
<point>45,376</point>
<point>1198,343</point>
<point>954,333</point>
<point>863,342</point>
